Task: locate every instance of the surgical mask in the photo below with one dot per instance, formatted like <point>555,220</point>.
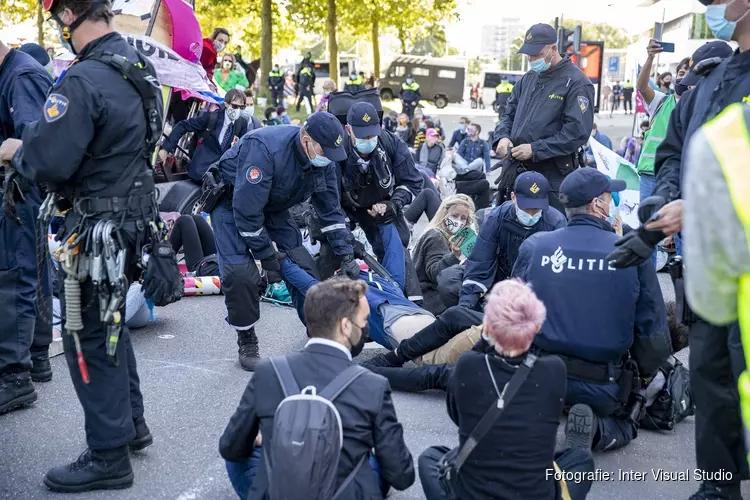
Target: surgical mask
<point>453,225</point>
<point>248,112</point>
<point>366,146</point>
<point>227,64</point>
<point>540,65</point>
<point>274,116</point>
<point>232,114</point>
<point>364,333</point>
<point>462,128</point>
<point>611,211</point>
<point>721,28</point>
<point>527,219</point>
<point>219,46</point>
<point>409,81</point>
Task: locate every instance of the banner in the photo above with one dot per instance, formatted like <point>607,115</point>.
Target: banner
<point>616,167</point>
<point>640,106</point>
<point>187,40</point>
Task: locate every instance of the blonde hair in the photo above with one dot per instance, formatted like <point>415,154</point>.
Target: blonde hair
<point>438,222</point>
<point>513,316</point>
<point>329,85</point>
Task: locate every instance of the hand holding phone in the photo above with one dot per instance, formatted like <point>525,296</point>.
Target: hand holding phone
<point>667,46</point>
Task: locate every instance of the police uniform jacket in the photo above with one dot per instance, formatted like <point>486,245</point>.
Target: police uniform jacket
<point>728,83</point>
<point>594,312</point>
<point>410,94</point>
<point>91,138</point>
<point>273,174</point>
<point>553,111</point>
<point>497,246</point>
<point>24,84</point>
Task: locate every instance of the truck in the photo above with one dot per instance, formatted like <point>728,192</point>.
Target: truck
<point>441,80</point>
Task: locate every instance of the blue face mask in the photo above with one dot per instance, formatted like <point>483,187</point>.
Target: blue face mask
<point>721,28</point>
<point>540,65</point>
<point>526,219</point>
<point>611,212</point>
<point>320,161</point>
<point>366,146</point>
<point>462,128</point>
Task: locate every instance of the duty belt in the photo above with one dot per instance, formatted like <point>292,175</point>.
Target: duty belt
<point>131,204</point>
<point>587,371</point>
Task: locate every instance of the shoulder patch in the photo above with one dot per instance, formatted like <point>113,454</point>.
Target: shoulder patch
<point>55,107</point>
<point>254,175</point>
<point>583,103</point>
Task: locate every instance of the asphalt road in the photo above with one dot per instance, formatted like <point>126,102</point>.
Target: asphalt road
<point>192,383</point>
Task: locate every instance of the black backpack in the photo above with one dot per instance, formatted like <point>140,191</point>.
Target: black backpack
<point>674,402</point>
<point>303,456</point>
<point>340,102</point>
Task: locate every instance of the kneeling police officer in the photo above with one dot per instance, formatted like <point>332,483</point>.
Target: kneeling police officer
<point>103,177</point>
<point>608,325</point>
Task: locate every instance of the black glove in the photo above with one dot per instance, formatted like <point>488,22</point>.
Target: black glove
<point>350,267</point>
<point>14,190</point>
<point>272,263</point>
<point>649,207</point>
<point>163,281</point>
<point>389,216</point>
<point>359,249</point>
<point>635,248</point>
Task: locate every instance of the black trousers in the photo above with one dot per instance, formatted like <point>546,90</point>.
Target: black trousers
<point>427,202</point>
<point>716,362</point>
<point>305,95</point>
<point>419,379</point>
<point>627,103</point>
<point>449,324</point>
<point>474,184</point>
<point>277,95</point>
<point>194,235</point>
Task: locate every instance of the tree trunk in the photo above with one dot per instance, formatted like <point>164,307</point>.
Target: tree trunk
<point>375,47</point>
<point>402,39</point>
<point>333,46</point>
<point>40,24</point>
<point>266,46</point>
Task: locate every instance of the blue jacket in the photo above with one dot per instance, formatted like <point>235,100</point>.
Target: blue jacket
<point>471,150</point>
<point>24,84</point>
<point>594,312</point>
<point>602,139</point>
<point>209,151</point>
<point>379,290</point>
<point>496,249</point>
<point>457,137</point>
<point>273,174</point>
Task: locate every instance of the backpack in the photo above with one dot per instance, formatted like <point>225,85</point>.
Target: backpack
<point>303,455</point>
<point>675,401</point>
<point>340,102</point>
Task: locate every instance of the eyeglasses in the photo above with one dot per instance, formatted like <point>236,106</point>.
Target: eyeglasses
<point>237,106</point>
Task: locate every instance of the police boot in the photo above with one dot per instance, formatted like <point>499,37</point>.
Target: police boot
<point>94,470</point>
<point>41,371</point>
<point>710,490</point>
<point>248,349</point>
<point>580,427</point>
<point>143,438</point>
<point>16,390</point>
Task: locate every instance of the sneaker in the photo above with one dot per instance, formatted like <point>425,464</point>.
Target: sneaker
<point>16,391</point>
<point>387,360</point>
<point>94,470</point>
<point>248,351</point>
<point>580,427</point>
<point>41,371</point>
<point>143,437</point>
<point>713,491</point>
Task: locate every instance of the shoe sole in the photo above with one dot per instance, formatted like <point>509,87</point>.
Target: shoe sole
<point>104,484</point>
<point>24,400</point>
<point>142,443</point>
<point>41,377</point>
<point>579,429</point>
<point>249,368</point>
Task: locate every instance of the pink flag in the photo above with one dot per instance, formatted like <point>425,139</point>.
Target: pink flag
<point>640,107</point>
<point>187,39</point>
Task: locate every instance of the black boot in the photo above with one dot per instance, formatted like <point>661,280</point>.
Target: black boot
<point>94,470</point>
<point>248,349</point>
<point>41,371</point>
<point>143,438</point>
<point>715,491</point>
<point>388,360</point>
<point>580,427</point>
<point>16,390</point>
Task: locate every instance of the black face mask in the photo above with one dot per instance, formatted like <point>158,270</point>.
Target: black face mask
<point>679,88</point>
<point>364,333</point>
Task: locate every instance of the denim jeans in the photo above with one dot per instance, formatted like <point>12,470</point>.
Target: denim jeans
<point>648,183</point>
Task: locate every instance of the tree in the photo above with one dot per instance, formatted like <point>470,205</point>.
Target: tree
<point>18,11</point>
<point>613,38</point>
<point>420,24</point>
<point>432,44</point>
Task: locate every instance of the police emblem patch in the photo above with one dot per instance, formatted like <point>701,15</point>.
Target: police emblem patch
<point>55,107</point>
<point>534,188</point>
<point>254,175</point>
<point>366,118</point>
<point>529,37</point>
<point>339,140</point>
<point>583,103</point>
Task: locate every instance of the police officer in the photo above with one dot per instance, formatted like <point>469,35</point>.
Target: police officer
<point>550,113</point>
<point>276,85</point>
<point>502,93</point>
<point>305,82</point>
<point>593,311</point>
<point>103,177</point>
<point>503,231</point>
<point>23,90</point>
<point>410,96</point>
<point>355,83</point>
<point>277,168</point>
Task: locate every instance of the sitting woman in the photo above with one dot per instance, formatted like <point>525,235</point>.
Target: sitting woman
<point>514,457</point>
<point>434,250</point>
<point>405,129</point>
<point>430,154</point>
<point>194,236</point>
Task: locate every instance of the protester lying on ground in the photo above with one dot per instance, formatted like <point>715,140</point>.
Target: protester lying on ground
<point>137,311</point>
<point>434,250</point>
<point>431,152</point>
<point>512,459</point>
<point>363,454</point>
<point>193,236</point>
<point>473,153</point>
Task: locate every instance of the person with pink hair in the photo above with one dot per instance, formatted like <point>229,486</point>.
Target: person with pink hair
<point>516,457</point>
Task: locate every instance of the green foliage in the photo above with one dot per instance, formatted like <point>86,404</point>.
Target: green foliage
<point>432,44</point>
<point>613,38</point>
<point>18,11</point>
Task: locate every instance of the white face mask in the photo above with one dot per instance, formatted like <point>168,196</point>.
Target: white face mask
<point>219,46</point>
<point>232,114</point>
<point>453,225</point>
<point>248,112</point>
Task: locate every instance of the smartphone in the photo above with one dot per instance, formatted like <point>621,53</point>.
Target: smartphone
<point>667,46</point>
<point>469,240</point>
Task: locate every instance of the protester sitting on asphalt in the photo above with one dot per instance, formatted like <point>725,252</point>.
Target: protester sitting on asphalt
<point>421,131</point>
<point>473,153</point>
<point>434,250</point>
<point>597,316</point>
<point>193,235</point>
<point>460,133</point>
<point>514,456</point>
<point>272,117</point>
<point>431,152</point>
<point>337,322</point>
<point>427,202</point>
<point>405,130</point>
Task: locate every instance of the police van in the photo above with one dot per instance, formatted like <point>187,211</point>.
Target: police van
<point>441,80</point>
<point>490,79</point>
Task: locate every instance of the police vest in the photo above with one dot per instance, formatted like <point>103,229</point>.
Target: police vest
<point>356,81</point>
<point>728,135</point>
<point>305,71</point>
<point>504,88</point>
<point>590,305</point>
<point>275,74</point>
<point>656,135</point>
<point>627,86</point>
<point>414,86</point>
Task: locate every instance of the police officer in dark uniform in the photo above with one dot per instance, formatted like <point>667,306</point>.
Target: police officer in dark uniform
<point>93,148</point>
<point>23,89</point>
<point>305,82</point>
<point>276,85</point>
<point>355,83</point>
<point>550,113</point>
<point>596,314</point>
<point>502,94</point>
<point>410,96</point>
<point>278,168</point>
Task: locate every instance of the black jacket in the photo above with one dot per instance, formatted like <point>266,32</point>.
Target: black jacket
<point>511,461</point>
<point>553,111</point>
<point>367,415</point>
<point>431,255</point>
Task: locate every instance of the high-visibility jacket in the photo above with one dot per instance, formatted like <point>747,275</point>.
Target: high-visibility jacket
<point>655,135</point>
<point>504,88</point>
<point>729,137</point>
<point>357,81</point>
<point>413,86</point>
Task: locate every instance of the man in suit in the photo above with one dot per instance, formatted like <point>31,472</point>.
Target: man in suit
<point>336,312</point>
<point>219,129</point>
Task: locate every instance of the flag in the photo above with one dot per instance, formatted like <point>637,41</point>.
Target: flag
<point>616,167</point>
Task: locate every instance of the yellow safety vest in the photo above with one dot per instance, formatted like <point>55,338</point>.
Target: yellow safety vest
<point>730,141</point>
<point>357,81</point>
<point>504,88</point>
<point>414,86</point>
<point>306,71</point>
<point>275,74</point>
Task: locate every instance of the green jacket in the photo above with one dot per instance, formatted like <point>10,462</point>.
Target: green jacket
<point>233,79</point>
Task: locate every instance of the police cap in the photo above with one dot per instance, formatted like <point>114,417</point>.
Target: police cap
<point>532,191</point>
<point>326,130</point>
<point>709,50</point>
<point>585,184</point>
<point>363,118</point>
<point>538,37</point>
